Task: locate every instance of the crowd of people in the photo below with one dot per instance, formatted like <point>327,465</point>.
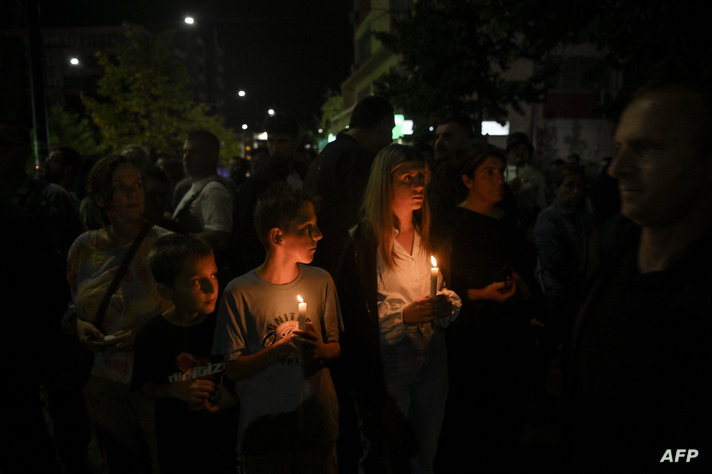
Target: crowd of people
<point>379,308</point>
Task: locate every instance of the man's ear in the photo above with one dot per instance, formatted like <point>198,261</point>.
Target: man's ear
<point>467,181</point>
<point>166,291</point>
<point>275,236</point>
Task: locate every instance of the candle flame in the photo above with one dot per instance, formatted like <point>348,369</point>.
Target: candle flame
<point>299,297</point>
<point>433,261</point>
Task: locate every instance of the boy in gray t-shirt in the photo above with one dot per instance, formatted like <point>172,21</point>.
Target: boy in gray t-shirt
<point>276,347</point>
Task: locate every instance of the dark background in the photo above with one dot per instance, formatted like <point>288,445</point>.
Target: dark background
<point>287,54</point>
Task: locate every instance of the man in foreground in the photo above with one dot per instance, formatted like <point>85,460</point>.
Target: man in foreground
<point>640,348</point>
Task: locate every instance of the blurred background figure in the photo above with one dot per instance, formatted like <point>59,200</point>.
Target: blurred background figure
<point>238,169</point>
<point>562,236</point>
<point>452,133</point>
<point>275,167</point>
<point>339,174</point>
<point>43,362</point>
<point>63,166</point>
<point>526,181</point>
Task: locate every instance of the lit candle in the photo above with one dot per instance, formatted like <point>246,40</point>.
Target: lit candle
<point>302,315</point>
<point>433,276</point>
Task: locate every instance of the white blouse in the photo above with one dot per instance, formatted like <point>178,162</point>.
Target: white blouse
<point>407,281</point>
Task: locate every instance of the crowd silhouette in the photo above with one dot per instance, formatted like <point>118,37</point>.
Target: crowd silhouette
<point>400,364</point>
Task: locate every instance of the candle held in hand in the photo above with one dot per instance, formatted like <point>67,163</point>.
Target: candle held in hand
<point>302,315</point>
<point>433,276</point>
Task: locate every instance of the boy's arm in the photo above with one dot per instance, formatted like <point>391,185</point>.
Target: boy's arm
<point>249,364</point>
<point>328,352</point>
<point>313,346</point>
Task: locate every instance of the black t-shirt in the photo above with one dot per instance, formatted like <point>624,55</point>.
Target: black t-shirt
<point>483,250</point>
<point>166,353</point>
<point>641,363</point>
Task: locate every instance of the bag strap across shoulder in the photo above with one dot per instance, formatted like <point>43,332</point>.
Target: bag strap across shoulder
<point>119,275</point>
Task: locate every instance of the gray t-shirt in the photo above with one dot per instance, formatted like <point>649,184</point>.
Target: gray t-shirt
<point>285,407</point>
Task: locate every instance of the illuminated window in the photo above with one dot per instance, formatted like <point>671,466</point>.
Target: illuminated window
<point>492,128</point>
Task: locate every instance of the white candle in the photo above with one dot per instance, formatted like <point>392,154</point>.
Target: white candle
<point>302,315</point>
<point>433,276</point>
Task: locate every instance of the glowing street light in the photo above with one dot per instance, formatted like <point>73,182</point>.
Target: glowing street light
<point>270,112</point>
<point>241,93</point>
<point>244,126</point>
<point>189,20</point>
<point>74,61</point>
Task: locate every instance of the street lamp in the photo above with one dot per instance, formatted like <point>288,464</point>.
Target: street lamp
<point>270,112</point>
<point>241,93</point>
<point>74,61</point>
<point>189,20</point>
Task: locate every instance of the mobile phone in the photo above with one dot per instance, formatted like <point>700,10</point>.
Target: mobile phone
<point>504,274</point>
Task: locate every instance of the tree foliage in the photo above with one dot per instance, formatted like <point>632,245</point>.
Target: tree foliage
<point>644,41</point>
<point>73,130</point>
<point>456,54</point>
<point>145,98</point>
<point>332,106</point>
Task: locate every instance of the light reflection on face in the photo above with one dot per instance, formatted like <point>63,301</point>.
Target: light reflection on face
<point>408,186</point>
<point>300,237</point>
<point>196,286</point>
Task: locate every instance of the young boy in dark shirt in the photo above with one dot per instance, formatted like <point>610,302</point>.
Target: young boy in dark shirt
<point>195,416</point>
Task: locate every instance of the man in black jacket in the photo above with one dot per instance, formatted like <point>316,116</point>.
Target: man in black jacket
<point>640,349</point>
<point>339,174</point>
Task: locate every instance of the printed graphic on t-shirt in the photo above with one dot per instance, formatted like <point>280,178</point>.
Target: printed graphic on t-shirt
<point>193,367</point>
<point>281,327</point>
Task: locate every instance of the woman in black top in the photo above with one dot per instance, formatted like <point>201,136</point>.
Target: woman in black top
<point>491,343</point>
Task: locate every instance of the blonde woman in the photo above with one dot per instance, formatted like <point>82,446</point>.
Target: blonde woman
<point>394,348</point>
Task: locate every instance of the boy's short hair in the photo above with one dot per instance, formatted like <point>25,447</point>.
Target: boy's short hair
<point>169,252</point>
<point>277,207</point>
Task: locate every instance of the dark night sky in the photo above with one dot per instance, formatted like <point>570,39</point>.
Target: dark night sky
<point>285,53</point>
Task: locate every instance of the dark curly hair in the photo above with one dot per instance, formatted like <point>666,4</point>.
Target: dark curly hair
<point>99,181</point>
